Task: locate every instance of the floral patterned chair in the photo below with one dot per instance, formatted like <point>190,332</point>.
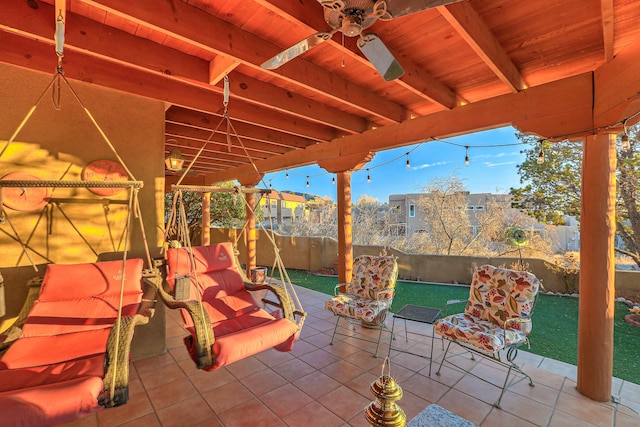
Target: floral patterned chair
<point>497,318</point>
<point>368,297</point>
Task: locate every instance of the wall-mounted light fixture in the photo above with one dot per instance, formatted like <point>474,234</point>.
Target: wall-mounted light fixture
<point>175,161</point>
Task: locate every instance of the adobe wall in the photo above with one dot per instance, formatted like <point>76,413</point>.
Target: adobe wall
<point>316,253</point>
<point>79,226</point>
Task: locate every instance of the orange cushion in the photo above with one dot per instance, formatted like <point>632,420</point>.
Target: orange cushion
<point>217,257</point>
<point>81,297</point>
<point>232,347</point>
<point>51,404</point>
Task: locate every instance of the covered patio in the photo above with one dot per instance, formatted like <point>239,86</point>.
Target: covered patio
<point>322,385</point>
<point>555,69</point>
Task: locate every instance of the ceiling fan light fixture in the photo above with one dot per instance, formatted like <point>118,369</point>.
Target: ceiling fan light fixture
<point>351,25</point>
<point>174,161</point>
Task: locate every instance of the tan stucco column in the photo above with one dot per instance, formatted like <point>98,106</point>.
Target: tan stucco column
<point>597,267</point>
<point>206,219</point>
<point>345,226</point>
<point>250,236</point>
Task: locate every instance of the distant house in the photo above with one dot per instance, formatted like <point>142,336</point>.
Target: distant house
<point>407,219</point>
<point>281,207</point>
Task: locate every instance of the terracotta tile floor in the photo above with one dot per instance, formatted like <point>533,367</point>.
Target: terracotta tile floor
<point>321,385</point>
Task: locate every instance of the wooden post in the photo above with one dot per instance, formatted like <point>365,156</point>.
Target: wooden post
<point>597,267</point>
<point>206,219</point>
<point>250,236</point>
<point>345,227</point>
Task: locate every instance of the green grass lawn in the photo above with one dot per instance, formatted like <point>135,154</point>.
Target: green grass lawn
<point>555,320</point>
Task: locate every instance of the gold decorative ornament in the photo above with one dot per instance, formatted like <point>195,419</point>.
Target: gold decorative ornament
<point>384,411</point>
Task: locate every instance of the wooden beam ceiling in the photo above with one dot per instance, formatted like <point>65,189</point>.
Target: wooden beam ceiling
<point>121,48</point>
<point>475,32</point>
<point>219,37</point>
<point>571,99</point>
<point>415,78</point>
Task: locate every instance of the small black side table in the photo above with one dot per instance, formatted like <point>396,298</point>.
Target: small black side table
<point>419,314</point>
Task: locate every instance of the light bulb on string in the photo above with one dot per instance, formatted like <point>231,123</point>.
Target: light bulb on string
<point>286,175</point>
<point>368,177</point>
<point>624,138</point>
<point>541,154</point>
<point>466,155</point>
<point>333,180</point>
<point>408,162</point>
<point>307,181</point>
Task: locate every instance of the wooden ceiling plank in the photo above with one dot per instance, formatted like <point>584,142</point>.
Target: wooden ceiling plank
<point>123,48</point>
<point>466,21</point>
<point>180,129</point>
<point>606,7</point>
<point>572,95</point>
<point>271,96</point>
<point>90,37</point>
<point>208,122</point>
<point>216,152</point>
<point>219,67</point>
<point>415,79</point>
<point>194,26</point>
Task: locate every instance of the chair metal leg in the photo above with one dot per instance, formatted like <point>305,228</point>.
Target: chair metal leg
<point>379,338</point>
<point>444,356</point>
<point>335,330</point>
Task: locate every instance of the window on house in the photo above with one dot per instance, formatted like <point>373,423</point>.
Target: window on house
<point>479,207</point>
<point>470,207</point>
<point>412,210</point>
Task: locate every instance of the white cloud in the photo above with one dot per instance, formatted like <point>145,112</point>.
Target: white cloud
<point>493,165</point>
<point>428,165</point>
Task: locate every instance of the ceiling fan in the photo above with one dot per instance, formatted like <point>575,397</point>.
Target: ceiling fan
<point>352,17</point>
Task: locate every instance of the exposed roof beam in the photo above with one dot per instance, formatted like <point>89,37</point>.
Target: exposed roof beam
<point>606,6</point>
<point>219,67</point>
<point>617,89</point>
<point>191,25</point>
<point>415,79</point>
<point>208,123</point>
<point>466,21</point>
<point>571,99</point>
<point>38,56</point>
<point>123,48</point>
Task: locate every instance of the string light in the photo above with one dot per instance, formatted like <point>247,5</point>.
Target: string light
<point>541,154</point>
<point>624,142</point>
<point>624,139</point>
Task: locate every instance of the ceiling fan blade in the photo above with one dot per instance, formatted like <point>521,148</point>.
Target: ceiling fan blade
<point>381,58</point>
<point>397,8</point>
<point>297,50</point>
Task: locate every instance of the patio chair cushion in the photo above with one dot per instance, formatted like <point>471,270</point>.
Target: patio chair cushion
<point>482,334</point>
<point>372,274</point>
<point>369,295</point>
<point>496,295</point>
<point>353,307</point>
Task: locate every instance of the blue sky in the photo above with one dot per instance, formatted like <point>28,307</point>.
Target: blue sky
<point>490,170</point>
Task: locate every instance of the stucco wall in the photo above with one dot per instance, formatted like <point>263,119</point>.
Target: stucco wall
<point>79,226</point>
<point>315,253</point>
